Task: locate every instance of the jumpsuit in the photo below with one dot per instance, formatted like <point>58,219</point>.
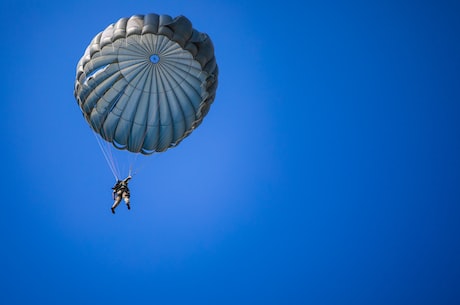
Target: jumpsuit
<point>121,191</point>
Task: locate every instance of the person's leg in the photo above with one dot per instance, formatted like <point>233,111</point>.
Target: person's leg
<point>126,198</point>
<point>116,203</point>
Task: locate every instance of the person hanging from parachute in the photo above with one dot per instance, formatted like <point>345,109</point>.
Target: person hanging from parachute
<point>121,191</point>
<point>143,85</point>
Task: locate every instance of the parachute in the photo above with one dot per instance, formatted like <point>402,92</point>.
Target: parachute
<point>146,82</point>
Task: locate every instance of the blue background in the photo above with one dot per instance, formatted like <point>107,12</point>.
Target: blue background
<point>327,171</point>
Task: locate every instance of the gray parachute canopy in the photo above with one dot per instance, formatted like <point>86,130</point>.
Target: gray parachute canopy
<point>146,82</point>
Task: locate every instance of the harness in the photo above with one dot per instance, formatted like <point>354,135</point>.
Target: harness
<point>121,187</point>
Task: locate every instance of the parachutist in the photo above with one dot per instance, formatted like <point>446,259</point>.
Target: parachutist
<point>121,191</point>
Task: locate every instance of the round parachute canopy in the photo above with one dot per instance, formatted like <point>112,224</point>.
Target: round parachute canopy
<point>146,82</point>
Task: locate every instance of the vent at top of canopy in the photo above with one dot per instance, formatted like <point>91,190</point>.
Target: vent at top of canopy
<point>146,82</point>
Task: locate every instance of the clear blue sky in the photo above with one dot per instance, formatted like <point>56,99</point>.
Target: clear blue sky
<point>327,171</point>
